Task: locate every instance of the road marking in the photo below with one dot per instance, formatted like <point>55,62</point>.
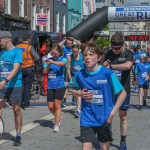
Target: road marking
<point>33,124</point>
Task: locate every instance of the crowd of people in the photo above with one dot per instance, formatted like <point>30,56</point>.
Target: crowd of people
<point>99,81</point>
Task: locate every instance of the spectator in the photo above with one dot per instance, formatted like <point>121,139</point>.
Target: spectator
<point>28,66</point>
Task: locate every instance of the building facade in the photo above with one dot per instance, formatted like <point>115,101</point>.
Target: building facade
<point>40,7</point>
<point>21,14</point>
<point>10,18</point>
<point>74,13</point>
<point>60,15</point>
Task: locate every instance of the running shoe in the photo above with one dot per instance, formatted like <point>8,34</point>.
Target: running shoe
<point>135,90</point>
<point>123,146</point>
<point>74,101</point>
<point>56,128</point>
<point>63,104</point>
<point>144,103</point>
<point>77,113</point>
<point>17,141</point>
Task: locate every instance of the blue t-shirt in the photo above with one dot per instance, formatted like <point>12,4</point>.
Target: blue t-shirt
<point>66,51</point>
<point>77,65</point>
<point>104,85</point>
<point>137,56</point>
<point>7,59</point>
<point>56,75</point>
<point>142,70</point>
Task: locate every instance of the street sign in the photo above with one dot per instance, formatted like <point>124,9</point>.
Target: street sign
<point>137,33</point>
<point>41,19</point>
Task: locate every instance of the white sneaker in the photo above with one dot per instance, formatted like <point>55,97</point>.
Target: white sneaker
<point>60,120</point>
<point>56,128</point>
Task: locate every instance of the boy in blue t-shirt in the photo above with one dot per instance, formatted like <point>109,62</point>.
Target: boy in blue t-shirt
<point>97,86</point>
<point>142,71</point>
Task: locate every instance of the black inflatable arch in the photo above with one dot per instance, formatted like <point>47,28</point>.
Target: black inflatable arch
<point>96,21</point>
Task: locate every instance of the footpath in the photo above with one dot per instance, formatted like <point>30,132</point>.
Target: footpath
<point>38,133</point>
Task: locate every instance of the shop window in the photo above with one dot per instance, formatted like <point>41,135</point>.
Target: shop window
<point>8,7</point>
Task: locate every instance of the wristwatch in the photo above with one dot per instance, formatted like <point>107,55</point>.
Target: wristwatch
<point>6,80</point>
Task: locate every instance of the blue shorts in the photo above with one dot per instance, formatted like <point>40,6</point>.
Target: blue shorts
<point>144,86</point>
<point>13,94</point>
<point>125,104</point>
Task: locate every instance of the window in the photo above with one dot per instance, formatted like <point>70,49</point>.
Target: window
<point>41,12</point>
<point>33,14</point>
<point>48,18</point>
<point>21,8</point>
<point>64,24</point>
<point>8,7</point>
<point>57,22</point>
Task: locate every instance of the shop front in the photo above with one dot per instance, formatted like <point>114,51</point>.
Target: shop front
<point>8,23</point>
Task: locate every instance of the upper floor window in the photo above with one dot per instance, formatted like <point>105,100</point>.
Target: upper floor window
<point>21,8</point>
<point>8,7</point>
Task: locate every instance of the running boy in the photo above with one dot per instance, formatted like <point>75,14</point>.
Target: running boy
<point>97,86</point>
<point>142,71</point>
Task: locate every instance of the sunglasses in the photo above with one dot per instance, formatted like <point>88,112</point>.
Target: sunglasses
<point>116,48</point>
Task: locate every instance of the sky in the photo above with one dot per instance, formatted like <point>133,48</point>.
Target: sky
<point>134,2</point>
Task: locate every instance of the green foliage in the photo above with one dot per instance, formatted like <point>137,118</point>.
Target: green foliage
<point>102,41</point>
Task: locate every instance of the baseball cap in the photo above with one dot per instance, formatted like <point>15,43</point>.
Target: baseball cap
<point>143,56</point>
<point>5,34</point>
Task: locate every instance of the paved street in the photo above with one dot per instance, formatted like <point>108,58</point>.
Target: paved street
<point>38,133</point>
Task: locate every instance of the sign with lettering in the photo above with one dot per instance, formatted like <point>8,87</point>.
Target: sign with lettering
<point>129,13</point>
<point>41,19</point>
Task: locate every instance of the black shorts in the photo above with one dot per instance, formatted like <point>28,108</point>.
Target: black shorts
<point>104,133</point>
<point>144,86</point>
<point>14,95</point>
<point>53,94</point>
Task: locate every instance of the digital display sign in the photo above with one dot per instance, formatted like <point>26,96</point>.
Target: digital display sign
<point>137,38</point>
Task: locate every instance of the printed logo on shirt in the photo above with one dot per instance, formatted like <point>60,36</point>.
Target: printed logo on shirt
<point>122,59</point>
<point>101,81</point>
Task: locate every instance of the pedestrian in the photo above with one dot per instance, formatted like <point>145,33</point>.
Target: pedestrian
<point>96,85</point>
<point>120,60</point>
<point>137,53</point>
<point>11,80</point>
<point>67,51</point>
<point>47,56</point>
<point>46,45</point>
<point>56,83</point>
<point>142,71</point>
<point>28,65</point>
<point>75,64</point>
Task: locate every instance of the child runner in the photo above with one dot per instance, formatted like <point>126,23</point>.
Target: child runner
<point>142,71</point>
<point>97,86</point>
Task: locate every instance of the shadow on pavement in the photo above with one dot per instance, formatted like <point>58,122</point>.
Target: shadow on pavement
<point>7,136</point>
<point>45,123</point>
<point>115,146</point>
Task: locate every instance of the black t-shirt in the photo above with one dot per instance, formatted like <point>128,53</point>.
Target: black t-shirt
<point>125,56</point>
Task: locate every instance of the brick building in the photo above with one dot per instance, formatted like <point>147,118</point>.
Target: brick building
<point>21,14</point>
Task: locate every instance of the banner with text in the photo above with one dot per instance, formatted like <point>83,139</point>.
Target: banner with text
<point>129,13</point>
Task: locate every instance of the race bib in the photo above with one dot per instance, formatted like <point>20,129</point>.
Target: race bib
<point>97,97</point>
<point>51,76</point>
<point>4,69</point>
<point>137,61</point>
<point>77,67</point>
<point>144,75</point>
